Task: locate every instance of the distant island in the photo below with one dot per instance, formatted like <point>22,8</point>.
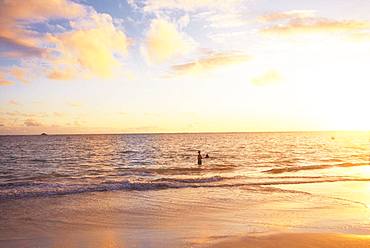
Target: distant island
<point>43,134</point>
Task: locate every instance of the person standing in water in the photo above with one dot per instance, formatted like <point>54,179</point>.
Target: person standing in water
<point>199,158</point>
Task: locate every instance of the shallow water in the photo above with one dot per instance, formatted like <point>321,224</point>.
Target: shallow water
<point>148,191</point>
<point>48,165</point>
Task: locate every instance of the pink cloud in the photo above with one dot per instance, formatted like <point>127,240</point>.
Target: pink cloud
<point>90,47</point>
<point>305,21</point>
<point>210,62</point>
<point>3,81</point>
<point>31,123</point>
<point>13,102</point>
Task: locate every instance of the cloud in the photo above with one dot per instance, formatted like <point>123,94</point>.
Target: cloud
<point>16,16</point>
<point>19,74</point>
<point>92,45</point>
<point>14,113</point>
<point>122,113</point>
<point>184,21</point>
<point>31,123</point>
<point>210,62</point>
<point>319,25</point>
<point>269,77</point>
<point>62,74</point>
<point>16,48</point>
<point>24,114</point>
<point>59,114</point>
<point>225,37</point>
<point>89,44</point>
<point>75,104</point>
<point>39,10</point>
<point>186,5</point>
<point>305,21</point>
<point>13,102</point>
<point>231,19</point>
<point>292,14</point>
<point>218,13</point>
<point>145,129</point>
<point>164,41</point>
<point>4,82</point>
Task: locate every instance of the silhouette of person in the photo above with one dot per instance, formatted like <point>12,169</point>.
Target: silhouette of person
<point>206,156</point>
<point>199,158</point>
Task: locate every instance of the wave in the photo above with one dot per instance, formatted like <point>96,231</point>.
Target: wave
<point>31,190</point>
<point>129,152</point>
<point>312,167</point>
<point>39,160</point>
<point>195,180</point>
<point>18,184</point>
<point>177,170</point>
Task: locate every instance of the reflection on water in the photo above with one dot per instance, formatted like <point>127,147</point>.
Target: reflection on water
<point>49,165</point>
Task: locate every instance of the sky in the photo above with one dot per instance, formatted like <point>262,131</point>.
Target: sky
<point>138,66</point>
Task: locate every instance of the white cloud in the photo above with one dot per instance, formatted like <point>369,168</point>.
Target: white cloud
<point>164,41</point>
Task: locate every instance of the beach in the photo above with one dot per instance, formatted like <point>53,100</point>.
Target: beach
<point>304,240</point>
<point>184,124</point>
<point>148,191</point>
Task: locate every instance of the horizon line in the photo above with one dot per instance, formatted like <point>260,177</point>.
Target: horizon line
<point>201,132</point>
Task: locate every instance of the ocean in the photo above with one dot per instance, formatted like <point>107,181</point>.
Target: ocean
<point>147,190</point>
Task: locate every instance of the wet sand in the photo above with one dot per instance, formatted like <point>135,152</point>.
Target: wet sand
<point>301,240</point>
<point>198,218</point>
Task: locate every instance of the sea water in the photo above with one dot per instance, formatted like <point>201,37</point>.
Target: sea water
<point>147,190</point>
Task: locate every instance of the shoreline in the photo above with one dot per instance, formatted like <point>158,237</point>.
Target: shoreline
<point>139,218</point>
<point>301,240</point>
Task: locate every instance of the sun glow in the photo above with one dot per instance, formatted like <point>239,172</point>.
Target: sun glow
<point>273,71</point>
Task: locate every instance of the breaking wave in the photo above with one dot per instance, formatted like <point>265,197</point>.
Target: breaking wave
<point>30,190</point>
<point>312,167</point>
